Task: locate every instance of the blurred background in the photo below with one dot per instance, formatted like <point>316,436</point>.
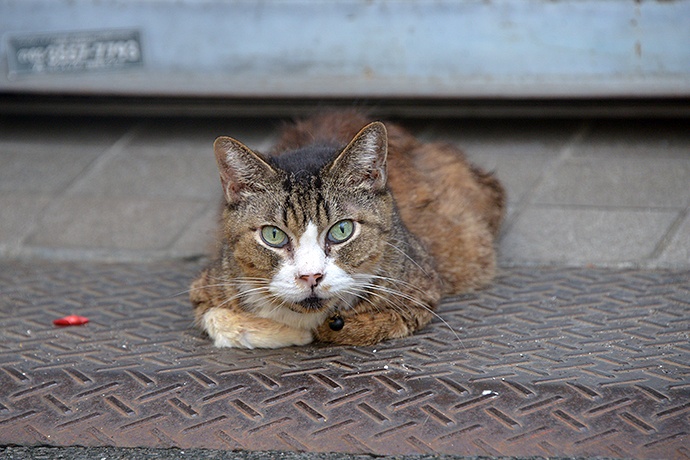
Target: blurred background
<point>239,57</point>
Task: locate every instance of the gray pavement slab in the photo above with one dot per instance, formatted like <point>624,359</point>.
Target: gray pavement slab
<point>130,223</point>
<point>183,172</point>
<point>676,252</point>
<point>576,236</point>
<point>18,212</point>
<point>517,151</point>
<point>608,192</point>
<point>47,170</point>
<point>202,236</point>
<point>619,182</point>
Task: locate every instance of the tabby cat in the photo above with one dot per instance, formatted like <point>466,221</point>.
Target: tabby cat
<point>349,232</point>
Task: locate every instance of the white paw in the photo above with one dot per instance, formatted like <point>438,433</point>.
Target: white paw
<point>285,338</point>
<point>233,330</point>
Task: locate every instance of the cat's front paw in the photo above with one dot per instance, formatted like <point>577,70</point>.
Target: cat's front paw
<point>243,338</point>
<point>239,330</point>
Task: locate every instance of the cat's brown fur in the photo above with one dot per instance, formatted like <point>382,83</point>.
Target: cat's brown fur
<point>451,209</point>
<point>454,207</point>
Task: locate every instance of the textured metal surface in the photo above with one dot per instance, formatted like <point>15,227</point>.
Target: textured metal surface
<point>579,362</point>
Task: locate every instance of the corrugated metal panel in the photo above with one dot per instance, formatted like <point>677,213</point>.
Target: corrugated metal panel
<point>360,48</point>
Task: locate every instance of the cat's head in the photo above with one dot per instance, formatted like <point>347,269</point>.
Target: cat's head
<point>308,228</point>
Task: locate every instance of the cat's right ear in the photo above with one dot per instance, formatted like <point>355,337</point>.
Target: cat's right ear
<point>242,172</point>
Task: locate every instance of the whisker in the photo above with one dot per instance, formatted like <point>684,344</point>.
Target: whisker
<point>276,306</point>
<point>407,257</point>
<point>240,281</point>
<point>374,287</point>
<point>206,286</point>
<point>391,280</point>
<point>243,293</point>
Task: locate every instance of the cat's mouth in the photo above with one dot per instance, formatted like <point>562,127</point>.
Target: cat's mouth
<point>312,303</point>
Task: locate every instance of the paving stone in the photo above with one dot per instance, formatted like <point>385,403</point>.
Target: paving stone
<point>108,177</point>
<point>142,172</point>
<point>42,170</point>
<point>201,236</point>
<point>677,252</point>
<point>517,173</point>
<point>516,150</point>
<point>629,182</point>
<point>575,236</point>
<point>17,212</point>
<point>114,223</point>
<point>171,158</point>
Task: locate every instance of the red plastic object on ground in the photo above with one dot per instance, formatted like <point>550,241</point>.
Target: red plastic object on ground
<point>71,320</point>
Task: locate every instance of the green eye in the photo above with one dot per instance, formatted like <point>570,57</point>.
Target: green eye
<point>273,236</point>
<point>341,232</point>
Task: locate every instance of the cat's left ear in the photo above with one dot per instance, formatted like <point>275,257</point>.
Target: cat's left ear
<point>363,162</point>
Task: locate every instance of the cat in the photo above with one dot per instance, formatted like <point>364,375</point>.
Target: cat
<point>350,231</point>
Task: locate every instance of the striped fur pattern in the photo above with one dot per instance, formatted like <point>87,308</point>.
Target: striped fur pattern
<point>315,231</point>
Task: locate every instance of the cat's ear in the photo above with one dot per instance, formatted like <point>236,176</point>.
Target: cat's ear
<point>242,172</point>
<point>363,162</point>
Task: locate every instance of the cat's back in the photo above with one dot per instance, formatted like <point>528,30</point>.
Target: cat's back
<point>334,128</point>
<point>452,206</point>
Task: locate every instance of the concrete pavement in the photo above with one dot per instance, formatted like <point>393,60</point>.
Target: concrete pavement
<point>612,193</point>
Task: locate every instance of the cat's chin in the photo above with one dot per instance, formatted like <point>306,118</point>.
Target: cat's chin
<point>312,304</point>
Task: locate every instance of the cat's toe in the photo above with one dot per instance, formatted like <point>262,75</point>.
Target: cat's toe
<point>221,341</point>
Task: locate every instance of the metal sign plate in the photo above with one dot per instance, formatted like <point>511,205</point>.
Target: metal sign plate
<point>73,51</point>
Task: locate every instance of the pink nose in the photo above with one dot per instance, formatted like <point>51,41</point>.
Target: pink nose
<point>312,280</point>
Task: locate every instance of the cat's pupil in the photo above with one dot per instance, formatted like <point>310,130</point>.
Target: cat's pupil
<point>341,231</point>
<point>273,236</point>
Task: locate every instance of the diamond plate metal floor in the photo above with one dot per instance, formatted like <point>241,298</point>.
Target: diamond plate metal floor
<point>546,362</point>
